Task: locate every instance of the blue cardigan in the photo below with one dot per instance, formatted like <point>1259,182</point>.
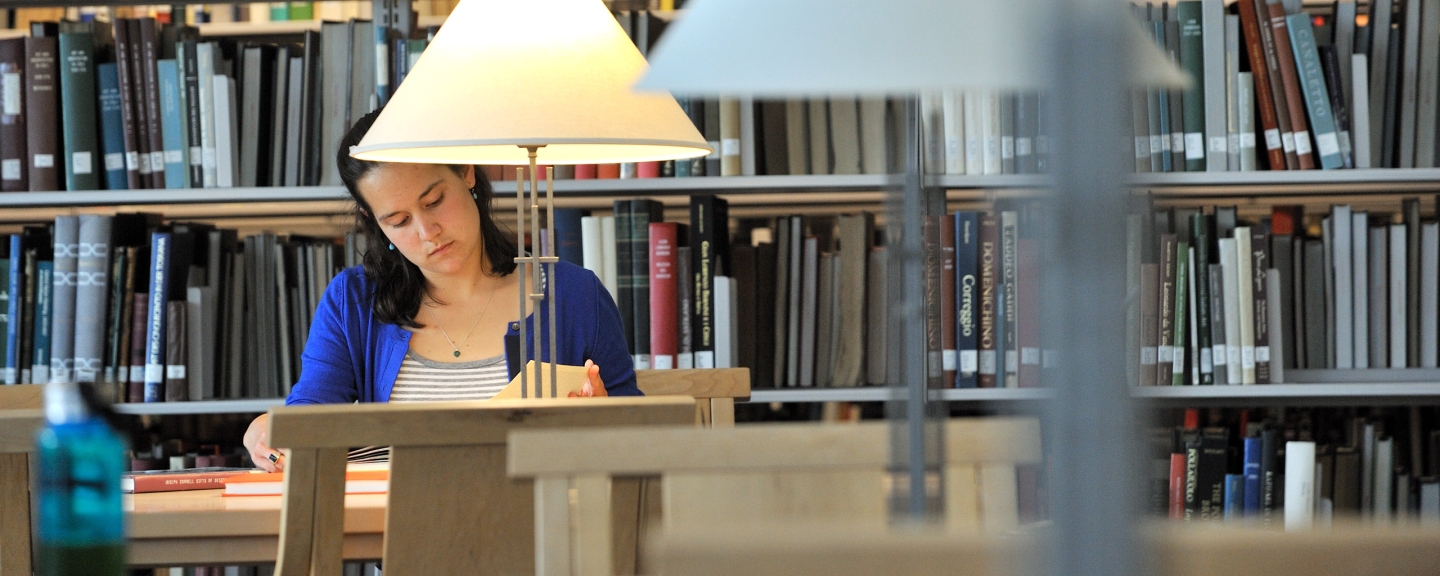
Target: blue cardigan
<point>351,355</point>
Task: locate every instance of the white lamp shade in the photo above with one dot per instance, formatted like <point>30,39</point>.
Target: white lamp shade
<point>504,74</point>
<point>786,48</point>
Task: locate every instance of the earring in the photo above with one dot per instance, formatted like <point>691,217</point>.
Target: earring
<point>474,195</point>
<point>392,246</point>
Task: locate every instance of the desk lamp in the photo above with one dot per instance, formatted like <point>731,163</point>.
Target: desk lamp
<point>510,82</point>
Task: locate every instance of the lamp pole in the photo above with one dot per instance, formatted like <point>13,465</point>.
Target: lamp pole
<point>529,267</point>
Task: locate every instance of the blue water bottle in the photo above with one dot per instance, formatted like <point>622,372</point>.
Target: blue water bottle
<point>80,460</point>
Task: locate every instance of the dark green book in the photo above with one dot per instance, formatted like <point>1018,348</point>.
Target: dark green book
<point>78,104</point>
<point>1192,60</point>
<point>1182,281</point>
<point>624,277</point>
<point>1200,231</point>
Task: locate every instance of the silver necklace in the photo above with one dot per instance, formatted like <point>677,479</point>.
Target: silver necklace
<point>472,326</point>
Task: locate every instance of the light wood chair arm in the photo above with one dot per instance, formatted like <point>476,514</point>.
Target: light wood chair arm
<point>17,429</point>
<point>714,390</point>
<point>22,396</point>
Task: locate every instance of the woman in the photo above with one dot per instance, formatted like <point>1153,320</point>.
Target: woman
<point>424,317</point>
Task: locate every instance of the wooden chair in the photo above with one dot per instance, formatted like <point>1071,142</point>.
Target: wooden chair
<point>714,390</point>
<point>20,416</point>
<point>451,509</point>
<point>759,473</point>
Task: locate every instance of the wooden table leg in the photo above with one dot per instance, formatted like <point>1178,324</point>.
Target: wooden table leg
<point>15,514</point>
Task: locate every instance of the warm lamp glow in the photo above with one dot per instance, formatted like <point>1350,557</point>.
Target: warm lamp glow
<point>503,74</point>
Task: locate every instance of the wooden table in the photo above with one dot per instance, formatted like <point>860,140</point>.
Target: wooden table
<point>201,527</point>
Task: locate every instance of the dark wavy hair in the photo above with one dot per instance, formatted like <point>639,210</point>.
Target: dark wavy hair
<point>397,283</point>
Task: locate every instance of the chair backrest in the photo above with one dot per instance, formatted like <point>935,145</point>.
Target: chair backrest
<point>779,472</point>
<point>20,416</point>
<point>714,390</point>
<point>451,508</point>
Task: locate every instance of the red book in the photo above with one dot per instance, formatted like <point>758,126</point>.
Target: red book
<point>1177,486</point>
<point>947,300</point>
<point>664,299</point>
<point>585,171</point>
<point>607,171</point>
<point>1284,219</point>
<point>647,170</point>
<point>177,480</point>
<point>1028,323</point>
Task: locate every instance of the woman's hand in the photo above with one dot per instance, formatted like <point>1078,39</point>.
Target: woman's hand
<point>256,442</point>
<point>593,385</point>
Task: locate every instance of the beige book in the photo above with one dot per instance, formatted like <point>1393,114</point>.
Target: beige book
<point>795,137</point>
<point>819,137</point>
<point>567,379</point>
<point>845,133</point>
<point>730,137</point>
<point>874,146</point>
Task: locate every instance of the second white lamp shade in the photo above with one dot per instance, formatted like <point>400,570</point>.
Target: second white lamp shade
<point>503,74</point>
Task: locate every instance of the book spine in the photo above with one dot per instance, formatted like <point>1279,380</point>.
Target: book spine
<point>1028,309</point>
<point>1214,449</point>
<point>115,323</point>
<point>948,340</point>
<point>78,103</point>
<point>92,286</point>
<point>1299,485</point>
<point>205,64</point>
<point>730,153</point>
<point>62,332</point>
<point>190,100</point>
<point>177,387</point>
<point>1259,269</point>
<point>154,380</point>
<point>1312,84</point>
<point>12,117</point>
<point>1212,18</point>
<point>1149,322</point>
<point>664,301</point>
<point>1009,240</point>
<point>1271,474</point>
<point>42,112</point>
<point>44,286</point>
<point>1274,83</point>
<point>1244,278</point>
<point>967,292</point>
<point>139,324</point>
<point>176,170</point>
<point>642,213</point>
<point>1200,264</point>
<point>1245,109</point>
<point>1294,99</point>
<point>1253,492</point>
<point>1398,272</point>
<point>1192,60</point>
<point>149,92</point>
<point>1178,364</point>
<point>1218,357</point>
<point>989,272</point>
<point>112,127</point>
<point>1177,485</point>
<point>27,313</point>
<point>127,77</point>
<point>1165,351</point>
<point>684,313</point>
<point>14,291</point>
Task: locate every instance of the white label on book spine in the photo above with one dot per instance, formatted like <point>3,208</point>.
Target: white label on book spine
<point>1012,361</point>
<point>664,362</point>
<point>1232,353</point>
<point>158,160</point>
<point>1179,366</point>
<point>969,361</point>
<point>947,360</point>
<point>642,361</point>
<point>730,147</point>
<point>1329,144</point>
<point>1023,146</point>
<point>1288,141</point>
<point>685,361</point>
<point>196,156</point>
<point>1218,355</point>
<point>705,359</point>
<point>1206,366</point>
<point>987,362</point>
<point>1167,353</point>
<point>1247,140</point>
<point>714,150</point>
<point>207,158</point>
<point>173,156</point>
<point>10,375</point>
<point>1142,148</point>
<point>1262,353</point>
<point>10,169</point>
<point>137,374</point>
<point>382,64</point>
<point>174,371</point>
<point>1302,142</point>
<point>1194,146</point>
<point>81,162</point>
<point>1164,142</point>
<point>1030,356</point>
<point>1272,139</point>
<point>143,163</point>
<point>154,372</point>
<point>1177,141</point>
<point>13,87</point>
<point>1217,144</point>
<point>44,160</point>
<point>1247,357</point>
<point>1148,355</point>
<point>1007,147</point>
<point>1156,143</point>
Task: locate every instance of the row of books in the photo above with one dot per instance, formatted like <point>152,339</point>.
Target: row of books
<point>173,111</point>
<point>1217,300</point>
<point>162,312</point>
<point>801,300</point>
<point>983,133</point>
<point>1278,88</point>
<point>1298,468</point>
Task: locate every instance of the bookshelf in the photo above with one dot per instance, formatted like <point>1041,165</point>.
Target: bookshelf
<point>246,406</point>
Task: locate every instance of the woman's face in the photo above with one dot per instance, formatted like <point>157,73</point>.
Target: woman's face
<point>427,212</point>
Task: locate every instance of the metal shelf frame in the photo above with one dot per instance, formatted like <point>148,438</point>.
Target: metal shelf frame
<point>247,406</point>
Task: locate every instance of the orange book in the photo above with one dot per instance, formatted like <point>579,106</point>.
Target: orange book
<point>176,480</point>
<point>607,171</point>
<point>272,483</point>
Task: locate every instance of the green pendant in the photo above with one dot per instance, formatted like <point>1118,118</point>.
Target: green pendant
<point>457,353</point>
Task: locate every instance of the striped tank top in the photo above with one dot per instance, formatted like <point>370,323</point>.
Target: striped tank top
<point>424,380</point>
